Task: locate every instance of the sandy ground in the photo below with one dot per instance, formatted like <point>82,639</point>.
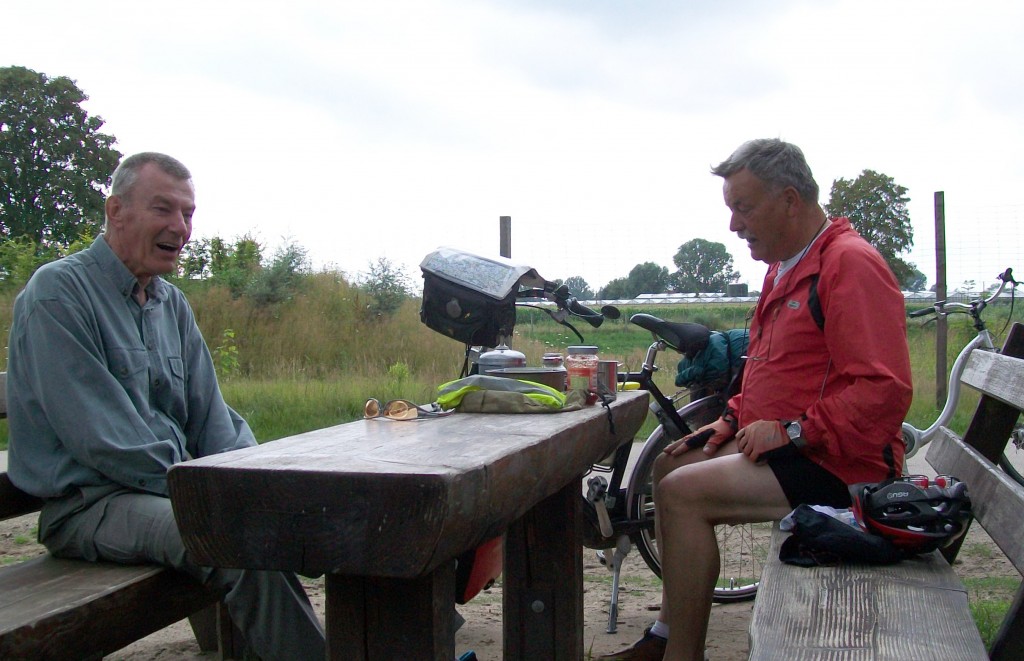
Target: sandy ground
<point>639,600</point>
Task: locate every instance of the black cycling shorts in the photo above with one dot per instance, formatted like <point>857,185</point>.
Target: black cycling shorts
<point>805,482</point>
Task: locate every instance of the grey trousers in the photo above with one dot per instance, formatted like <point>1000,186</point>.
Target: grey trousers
<point>271,608</point>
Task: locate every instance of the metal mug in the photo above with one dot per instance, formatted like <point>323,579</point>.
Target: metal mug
<point>607,379</point>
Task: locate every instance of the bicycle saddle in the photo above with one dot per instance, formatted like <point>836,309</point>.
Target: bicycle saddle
<point>685,337</point>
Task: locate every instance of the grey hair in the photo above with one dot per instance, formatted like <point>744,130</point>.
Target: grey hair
<point>127,172</point>
<point>779,164</point>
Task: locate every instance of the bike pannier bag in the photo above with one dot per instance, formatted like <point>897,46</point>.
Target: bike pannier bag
<point>478,569</point>
<point>471,298</point>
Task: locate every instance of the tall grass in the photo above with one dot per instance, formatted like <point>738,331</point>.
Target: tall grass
<point>313,361</point>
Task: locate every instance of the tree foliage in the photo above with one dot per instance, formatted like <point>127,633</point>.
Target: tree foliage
<point>877,208</point>
<point>388,286</point>
<point>646,278</point>
<point>578,287</point>
<point>219,262</point>
<point>54,161</point>
<point>703,266</point>
<point>279,281</point>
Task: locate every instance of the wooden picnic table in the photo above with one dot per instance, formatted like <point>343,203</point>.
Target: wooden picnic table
<point>384,507</point>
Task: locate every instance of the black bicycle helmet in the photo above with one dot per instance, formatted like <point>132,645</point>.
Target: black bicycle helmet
<point>915,519</point>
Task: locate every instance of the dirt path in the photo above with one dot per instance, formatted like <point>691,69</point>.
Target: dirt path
<point>639,598</point>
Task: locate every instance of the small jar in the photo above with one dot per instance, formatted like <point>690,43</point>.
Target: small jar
<point>581,369</point>
<point>553,361</point>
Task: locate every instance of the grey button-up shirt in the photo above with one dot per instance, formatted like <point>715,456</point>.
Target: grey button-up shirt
<point>103,392</point>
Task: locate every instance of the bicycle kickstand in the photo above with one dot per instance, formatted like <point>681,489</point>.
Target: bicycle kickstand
<point>622,548</point>
<point>597,492</point>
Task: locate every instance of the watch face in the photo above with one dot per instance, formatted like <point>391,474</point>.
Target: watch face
<point>793,430</point>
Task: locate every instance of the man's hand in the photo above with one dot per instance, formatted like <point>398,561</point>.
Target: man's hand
<point>716,433</point>
<point>760,437</point>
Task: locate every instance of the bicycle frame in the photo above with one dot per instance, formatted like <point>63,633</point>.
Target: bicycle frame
<point>915,438</point>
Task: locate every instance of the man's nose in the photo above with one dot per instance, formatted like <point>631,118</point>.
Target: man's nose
<point>182,223</point>
<point>734,223</point>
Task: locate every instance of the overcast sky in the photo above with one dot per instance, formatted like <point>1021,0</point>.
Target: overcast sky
<point>374,129</point>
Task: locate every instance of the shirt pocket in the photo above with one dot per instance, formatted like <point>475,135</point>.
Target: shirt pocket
<point>130,368</point>
<point>177,375</point>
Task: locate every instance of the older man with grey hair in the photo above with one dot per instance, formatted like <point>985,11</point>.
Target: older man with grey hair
<point>826,386</point>
<point>110,383</point>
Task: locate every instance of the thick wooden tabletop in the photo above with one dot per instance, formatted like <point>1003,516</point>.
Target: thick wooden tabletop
<point>387,498</point>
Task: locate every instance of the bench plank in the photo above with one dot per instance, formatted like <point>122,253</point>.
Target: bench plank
<point>80,608</point>
<point>909,611</point>
<point>997,376</point>
<point>58,609</point>
<point>995,498</point>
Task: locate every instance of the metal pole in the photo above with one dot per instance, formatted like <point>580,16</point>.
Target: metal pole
<point>505,233</point>
<point>941,339</point>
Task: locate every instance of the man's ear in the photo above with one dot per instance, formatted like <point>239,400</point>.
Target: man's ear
<point>794,203</point>
<point>114,207</point>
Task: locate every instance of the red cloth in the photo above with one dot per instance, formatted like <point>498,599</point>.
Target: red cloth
<point>852,381</point>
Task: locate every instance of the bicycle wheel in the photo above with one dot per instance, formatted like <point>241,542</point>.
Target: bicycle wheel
<point>742,548</point>
<point>1010,469</point>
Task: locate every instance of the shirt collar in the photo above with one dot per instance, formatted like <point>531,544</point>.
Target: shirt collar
<point>123,279</point>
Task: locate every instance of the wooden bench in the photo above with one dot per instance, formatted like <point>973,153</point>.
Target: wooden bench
<point>918,608</point>
<point>52,608</point>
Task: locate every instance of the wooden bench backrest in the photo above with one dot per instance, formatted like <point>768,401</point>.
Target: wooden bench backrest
<point>997,501</point>
<point>13,501</point>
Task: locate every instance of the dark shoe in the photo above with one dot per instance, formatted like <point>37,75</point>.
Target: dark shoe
<point>648,648</point>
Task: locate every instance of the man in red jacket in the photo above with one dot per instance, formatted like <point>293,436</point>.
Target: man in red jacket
<point>825,389</point>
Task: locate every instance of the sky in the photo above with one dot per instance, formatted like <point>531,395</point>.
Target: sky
<point>389,128</point>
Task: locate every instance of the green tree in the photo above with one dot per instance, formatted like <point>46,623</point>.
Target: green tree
<point>703,266</point>
<point>877,208</point>
<point>578,287</point>
<point>646,278</point>
<point>54,161</point>
<point>278,281</point>
<point>234,265</point>
<point>388,286</point>
<point>615,289</point>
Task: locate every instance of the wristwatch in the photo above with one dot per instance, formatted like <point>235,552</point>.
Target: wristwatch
<point>795,433</point>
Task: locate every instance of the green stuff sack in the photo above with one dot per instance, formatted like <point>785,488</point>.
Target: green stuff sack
<point>493,394</point>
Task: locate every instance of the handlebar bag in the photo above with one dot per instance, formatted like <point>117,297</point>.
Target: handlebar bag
<point>471,298</point>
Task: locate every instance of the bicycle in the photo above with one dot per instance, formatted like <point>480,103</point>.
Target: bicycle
<point>621,512</point>
<point>915,438</point>
<point>618,510</point>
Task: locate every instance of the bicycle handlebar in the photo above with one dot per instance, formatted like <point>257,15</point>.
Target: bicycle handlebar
<point>944,307</point>
<point>563,300</point>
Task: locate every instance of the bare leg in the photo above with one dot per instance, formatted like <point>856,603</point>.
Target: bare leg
<point>691,500</point>
<point>693,493</point>
<point>665,464</point>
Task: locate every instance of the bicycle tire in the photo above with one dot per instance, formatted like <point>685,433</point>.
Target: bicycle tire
<point>743,548</point>
<point>1010,469</point>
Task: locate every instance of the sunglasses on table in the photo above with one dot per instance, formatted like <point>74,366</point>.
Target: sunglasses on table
<point>401,409</point>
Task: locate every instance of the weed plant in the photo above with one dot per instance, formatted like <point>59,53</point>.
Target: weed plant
<point>313,360</point>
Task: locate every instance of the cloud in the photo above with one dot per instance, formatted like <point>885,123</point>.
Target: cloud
<point>368,129</point>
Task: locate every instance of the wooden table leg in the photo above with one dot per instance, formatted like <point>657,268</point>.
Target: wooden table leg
<point>542,588</point>
<point>371,618</point>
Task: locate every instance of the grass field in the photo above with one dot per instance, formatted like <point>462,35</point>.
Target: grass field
<point>313,361</point>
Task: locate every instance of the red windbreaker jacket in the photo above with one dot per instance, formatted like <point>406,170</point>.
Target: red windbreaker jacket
<point>849,383</point>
